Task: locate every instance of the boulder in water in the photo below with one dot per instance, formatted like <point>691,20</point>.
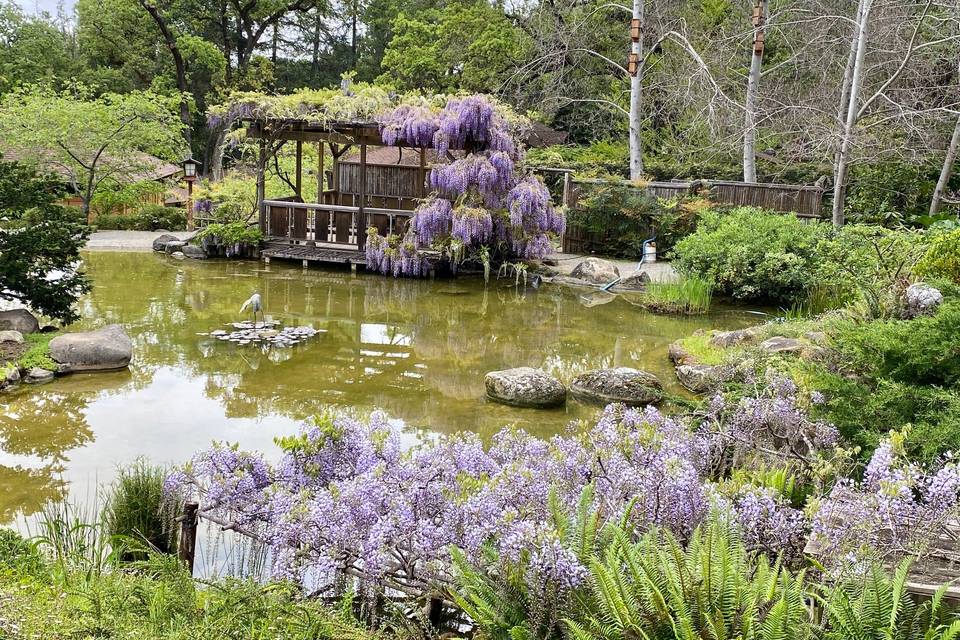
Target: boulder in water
<point>596,271</point>
<point>525,387</point>
<point>622,384</point>
<point>160,242</point>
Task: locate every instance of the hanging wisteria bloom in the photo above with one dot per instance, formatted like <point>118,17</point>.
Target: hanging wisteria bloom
<point>472,225</point>
<point>518,217</point>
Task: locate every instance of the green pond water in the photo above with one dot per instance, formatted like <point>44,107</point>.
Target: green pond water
<point>415,349</point>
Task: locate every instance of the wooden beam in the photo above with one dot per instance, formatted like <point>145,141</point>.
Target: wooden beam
<point>298,181</point>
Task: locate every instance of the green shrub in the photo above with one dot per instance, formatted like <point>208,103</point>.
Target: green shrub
<point>149,218</point>
<point>870,266</point>
<point>751,254</point>
<point>617,217</point>
<point>239,232</point>
<point>924,351</point>
<point>37,354</point>
<point>942,257</point>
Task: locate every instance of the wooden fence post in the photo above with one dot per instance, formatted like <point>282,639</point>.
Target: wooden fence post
<point>188,534</point>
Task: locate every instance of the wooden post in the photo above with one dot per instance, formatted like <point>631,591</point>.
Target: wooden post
<point>262,185</point>
<point>188,534</point>
<point>362,216</point>
<point>567,189</point>
<point>320,152</point>
<point>423,172</point>
<point>298,184</point>
<point>334,151</point>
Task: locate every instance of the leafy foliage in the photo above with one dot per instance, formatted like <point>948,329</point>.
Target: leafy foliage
<point>39,238</point>
<point>658,588</point>
<point>942,257</point>
<point>878,605</point>
<point>149,218</point>
<point>750,254</point>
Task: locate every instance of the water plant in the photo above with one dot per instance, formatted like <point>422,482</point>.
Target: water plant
<point>136,508</point>
<point>690,295</point>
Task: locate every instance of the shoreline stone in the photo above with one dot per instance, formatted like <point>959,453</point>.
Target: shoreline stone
<point>105,349</point>
<point>595,271</point>
<point>19,320</point>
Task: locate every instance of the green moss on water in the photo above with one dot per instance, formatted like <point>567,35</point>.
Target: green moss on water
<point>37,354</point>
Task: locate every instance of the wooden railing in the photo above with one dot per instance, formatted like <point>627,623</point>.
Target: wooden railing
<point>330,225</point>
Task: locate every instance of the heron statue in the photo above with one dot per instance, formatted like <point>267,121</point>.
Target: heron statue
<point>255,305</point>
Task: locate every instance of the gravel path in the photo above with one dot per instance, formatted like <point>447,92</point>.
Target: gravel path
<point>129,240</point>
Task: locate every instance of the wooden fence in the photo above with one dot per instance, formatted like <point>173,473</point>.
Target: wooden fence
<point>804,201</point>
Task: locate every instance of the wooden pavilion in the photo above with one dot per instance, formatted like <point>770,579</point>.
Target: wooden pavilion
<point>369,184</point>
<point>360,194</point>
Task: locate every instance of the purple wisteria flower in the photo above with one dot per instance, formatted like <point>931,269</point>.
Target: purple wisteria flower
<point>479,203</point>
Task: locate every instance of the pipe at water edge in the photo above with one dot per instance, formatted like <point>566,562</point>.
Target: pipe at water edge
<point>643,257</point>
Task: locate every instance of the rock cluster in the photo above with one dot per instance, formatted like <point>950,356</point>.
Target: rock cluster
<point>105,349</point>
<point>529,387</point>
<point>263,333</point>
<point>177,248</point>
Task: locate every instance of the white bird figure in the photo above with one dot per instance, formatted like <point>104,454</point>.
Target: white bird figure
<point>255,305</point>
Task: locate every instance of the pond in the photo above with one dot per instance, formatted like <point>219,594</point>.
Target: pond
<point>416,349</point>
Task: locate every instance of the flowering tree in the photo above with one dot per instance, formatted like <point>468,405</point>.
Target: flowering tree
<point>482,207</point>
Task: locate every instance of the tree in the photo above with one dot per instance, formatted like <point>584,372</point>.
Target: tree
<point>32,50</point>
<point>88,140</point>
<point>40,243</point>
<point>946,171</point>
<point>463,46</point>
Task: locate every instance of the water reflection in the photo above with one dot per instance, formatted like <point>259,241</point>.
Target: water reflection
<point>416,349</point>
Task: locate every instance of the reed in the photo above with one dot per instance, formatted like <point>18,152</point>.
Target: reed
<point>690,295</point>
<point>137,510</point>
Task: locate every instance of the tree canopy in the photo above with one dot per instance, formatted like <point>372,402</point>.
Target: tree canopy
<point>91,140</point>
<point>40,243</point>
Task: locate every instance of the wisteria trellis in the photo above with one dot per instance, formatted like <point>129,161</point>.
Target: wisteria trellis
<point>479,200</point>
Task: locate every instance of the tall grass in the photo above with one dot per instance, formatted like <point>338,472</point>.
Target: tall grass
<point>137,510</point>
<point>691,295</point>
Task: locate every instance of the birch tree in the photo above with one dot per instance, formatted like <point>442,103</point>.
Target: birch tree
<point>761,11</point>
<point>946,171</point>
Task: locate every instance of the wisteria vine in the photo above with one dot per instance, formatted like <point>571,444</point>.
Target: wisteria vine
<point>346,498</point>
<point>479,200</point>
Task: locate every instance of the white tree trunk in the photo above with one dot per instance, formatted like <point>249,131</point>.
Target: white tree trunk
<point>850,123</point>
<point>947,170</point>
<point>636,89</point>
<point>750,107</point>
